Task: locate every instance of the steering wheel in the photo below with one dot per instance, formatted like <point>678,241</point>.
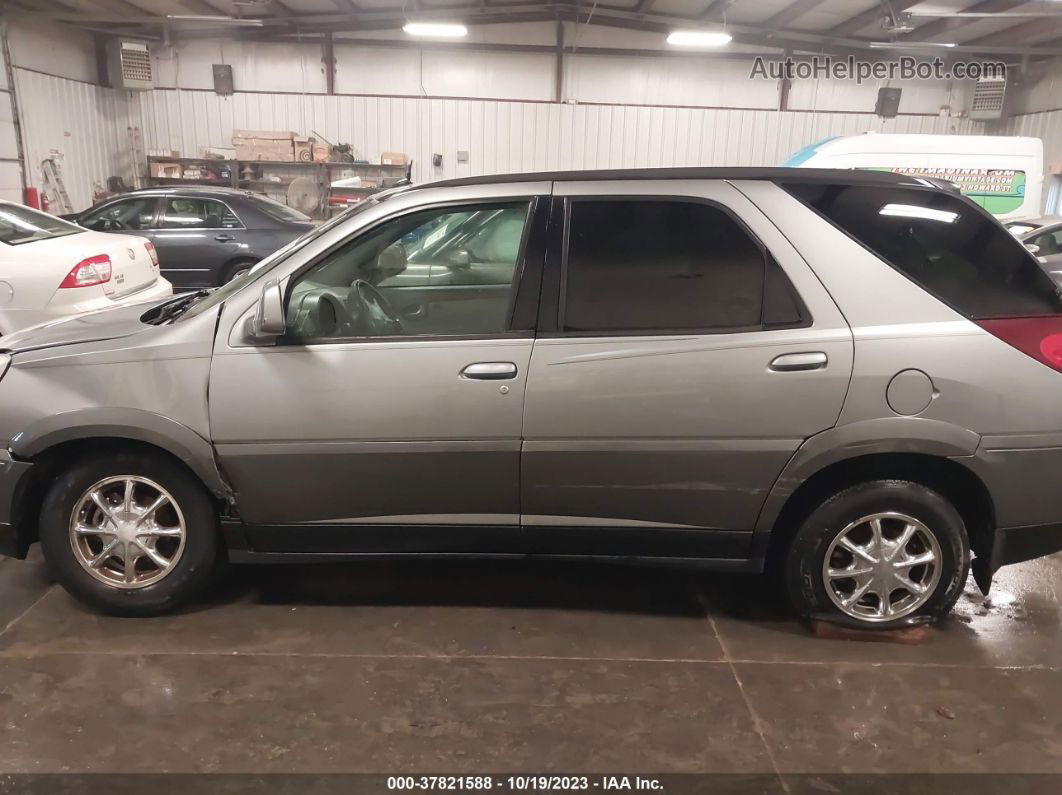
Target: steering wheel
<point>371,312</point>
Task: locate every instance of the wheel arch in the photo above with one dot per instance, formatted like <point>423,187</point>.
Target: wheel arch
<point>228,265</point>
<point>928,452</point>
<point>86,426</point>
<point>60,437</point>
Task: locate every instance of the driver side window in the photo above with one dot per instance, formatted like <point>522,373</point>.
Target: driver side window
<point>444,271</point>
<point>128,215</point>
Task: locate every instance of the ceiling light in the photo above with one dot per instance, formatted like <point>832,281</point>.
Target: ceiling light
<point>439,30</point>
<point>698,38</point>
<point>909,45</point>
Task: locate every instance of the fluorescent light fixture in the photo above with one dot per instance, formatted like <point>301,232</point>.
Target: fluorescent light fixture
<point>910,45</point>
<point>914,211</point>
<point>214,20</point>
<point>439,30</point>
<point>699,38</point>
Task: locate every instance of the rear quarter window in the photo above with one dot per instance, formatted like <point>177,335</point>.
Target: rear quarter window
<point>942,242</point>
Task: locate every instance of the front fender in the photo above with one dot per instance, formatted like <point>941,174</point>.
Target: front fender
<point>123,423</point>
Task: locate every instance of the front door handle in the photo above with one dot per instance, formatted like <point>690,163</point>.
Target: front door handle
<point>490,371</point>
<point>791,362</point>
<point>224,238</point>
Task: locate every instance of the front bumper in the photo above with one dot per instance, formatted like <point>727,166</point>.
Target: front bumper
<point>13,479</point>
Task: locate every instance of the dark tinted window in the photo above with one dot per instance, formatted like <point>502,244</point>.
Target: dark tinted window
<point>666,265</point>
<point>953,249</point>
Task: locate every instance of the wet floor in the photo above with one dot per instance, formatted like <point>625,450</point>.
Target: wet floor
<point>521,666</point>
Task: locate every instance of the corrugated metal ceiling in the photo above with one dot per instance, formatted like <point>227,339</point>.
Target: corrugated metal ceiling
<point>802,25</point>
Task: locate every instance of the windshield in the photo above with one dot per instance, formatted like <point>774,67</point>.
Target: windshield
<point>219,296</point>
<point>19,224</point>
<point>278,211</point>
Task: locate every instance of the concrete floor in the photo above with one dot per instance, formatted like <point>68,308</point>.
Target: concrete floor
<point>518,666</point>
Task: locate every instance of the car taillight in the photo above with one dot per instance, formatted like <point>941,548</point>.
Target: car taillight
<point>1039,337</point>
<point>89,272</point>
<point>152,253</point>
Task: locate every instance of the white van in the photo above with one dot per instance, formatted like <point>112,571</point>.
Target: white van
<point>1003,174</point>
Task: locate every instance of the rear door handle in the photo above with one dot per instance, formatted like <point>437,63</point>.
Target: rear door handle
<point>791,362</point>
<point>224,238</point>
<point>490,371</point>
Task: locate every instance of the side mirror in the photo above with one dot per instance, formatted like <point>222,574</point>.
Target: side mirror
<point>268,319</point>
<point>1033,249</point>
<point>459,260</point>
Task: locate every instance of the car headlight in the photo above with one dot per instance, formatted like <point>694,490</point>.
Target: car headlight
<point>5,362</point>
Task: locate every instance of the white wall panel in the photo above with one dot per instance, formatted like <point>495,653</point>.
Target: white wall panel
<point>10,167</point>
<point>256,66</point>
<point>56,50</point>
<point>919,96</point>
<point>1041,91</point>
<point>87,124</point>
<point>515,136</point>
<point>667,81</point>
<point>1047,127</point>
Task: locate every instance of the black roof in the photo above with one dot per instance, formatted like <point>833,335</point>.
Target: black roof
<point>838,176</point>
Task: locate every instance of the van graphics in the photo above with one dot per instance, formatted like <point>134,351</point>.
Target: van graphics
<point>998,190</point>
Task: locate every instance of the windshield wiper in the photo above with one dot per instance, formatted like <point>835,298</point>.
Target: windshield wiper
<point>178,306</point>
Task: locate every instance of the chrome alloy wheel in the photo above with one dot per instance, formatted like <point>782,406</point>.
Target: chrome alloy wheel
<point>127,531</point>
<point>882,567</point>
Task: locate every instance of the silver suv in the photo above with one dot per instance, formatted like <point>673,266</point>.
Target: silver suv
<point>849,378</point>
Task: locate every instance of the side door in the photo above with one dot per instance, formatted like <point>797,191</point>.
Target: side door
<point>367,429</point>
<point>685,352</point>
<point>195,238</point>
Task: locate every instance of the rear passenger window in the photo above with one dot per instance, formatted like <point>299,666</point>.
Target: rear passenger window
<point>198,214</point>
<point>668,266</point>
<point>951,248</point>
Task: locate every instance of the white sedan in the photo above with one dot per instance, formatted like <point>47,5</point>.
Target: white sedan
<point>50,269</point>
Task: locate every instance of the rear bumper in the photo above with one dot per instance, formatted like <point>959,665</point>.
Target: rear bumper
<point>1022,481</point>
<point>13,478</point>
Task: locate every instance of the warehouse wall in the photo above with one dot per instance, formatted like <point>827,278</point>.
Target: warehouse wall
<point>513,136</point>
<point>1036,102</point>
<point>650,110</point>
<point>64,114</point>
<point>10,166</point>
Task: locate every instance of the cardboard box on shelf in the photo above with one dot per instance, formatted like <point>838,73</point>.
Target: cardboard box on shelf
<point>264,145</point>
<point>166,170</point>
<point>394,159</point>
<point>164,153</point>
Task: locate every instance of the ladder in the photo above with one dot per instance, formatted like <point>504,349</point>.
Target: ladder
<point>54,189</point>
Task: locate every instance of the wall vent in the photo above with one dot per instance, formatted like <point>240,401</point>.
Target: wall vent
<point>130,64</point>
<point>989,99</point>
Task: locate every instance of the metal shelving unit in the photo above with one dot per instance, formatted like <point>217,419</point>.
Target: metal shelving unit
<point>323,173</point>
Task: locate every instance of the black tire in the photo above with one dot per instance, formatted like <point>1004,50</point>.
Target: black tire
<point>189,574</point>
<point>803,565</point>
<point>234,269</point>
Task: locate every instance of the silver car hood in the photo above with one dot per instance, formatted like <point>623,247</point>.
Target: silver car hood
<point>107,324</point>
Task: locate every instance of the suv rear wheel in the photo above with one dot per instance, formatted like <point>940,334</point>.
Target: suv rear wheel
<point>129,533</point>
<point>877,553</point>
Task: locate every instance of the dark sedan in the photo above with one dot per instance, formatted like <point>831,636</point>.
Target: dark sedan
<point>204,236</point>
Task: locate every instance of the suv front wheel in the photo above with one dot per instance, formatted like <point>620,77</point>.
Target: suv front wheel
<point>878,553</point>
<point>129,533</point>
